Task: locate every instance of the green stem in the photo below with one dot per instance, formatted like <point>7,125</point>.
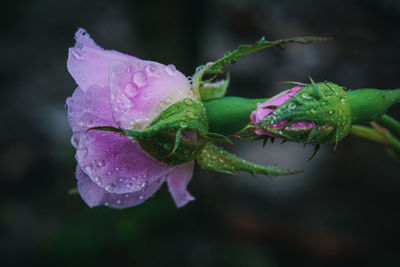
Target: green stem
<point>370,104</point>
<point>391,124</point>
<point>382,136</point>
<point>228,115</point>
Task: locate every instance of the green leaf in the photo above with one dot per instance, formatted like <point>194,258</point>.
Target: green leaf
<point>244,50</point>
<point>214,89</point>
<point>165,148</point>
<point>216,159</point>
<point>213,68</point>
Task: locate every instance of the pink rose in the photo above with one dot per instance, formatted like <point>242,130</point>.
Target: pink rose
<point>123,91</point>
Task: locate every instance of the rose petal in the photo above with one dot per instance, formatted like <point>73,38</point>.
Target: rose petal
<point>89,64</point>
<point>178,181</point>
<point>259,114</point>
<point>91,193</point>
<point>141,90</point>
<point>95,195</point>
<point>121,201</point>
<point>88,109</point>
<point>117,163</point>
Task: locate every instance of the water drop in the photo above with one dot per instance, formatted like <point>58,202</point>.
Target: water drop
<point>292,105</point>
<point>306,96</point>
<point>343,100</point>
<point>170,69</point>
<point>139,78</point>
<point>89,168</point>
<point>331,112</point>
<point>129,185</point>
<point>82,152</point>
<point>141,197</point>
<point>313,110</point>
<point>76,53</point>
<point>119,201</point>
<point>183,124</point>
<point>98,180</point>
<point>188,101</point>
<point>101,163</point>
<point>128,70</point>
<point>110,187</point>
<point>151,69</point>
<point>116,168</point>
<point>130,90</point>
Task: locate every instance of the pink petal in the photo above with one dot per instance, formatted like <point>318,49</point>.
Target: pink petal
<point>141,90</point>
<point>116,163</point>
<point>178,181</point>
<point>89,109</point>
<point>259,114</point>
<point>91,193</point>
<point>95,195</point>
<point>89,64</point>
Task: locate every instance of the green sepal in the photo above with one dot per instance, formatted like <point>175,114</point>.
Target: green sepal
<point>213,68</point>
<point>183,115</point>
<point>164,147</point>
<point>214,89</point>
<point>217,159</point>
<point>215,137</point>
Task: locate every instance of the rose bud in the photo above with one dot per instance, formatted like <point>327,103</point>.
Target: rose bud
<point>319,113</point>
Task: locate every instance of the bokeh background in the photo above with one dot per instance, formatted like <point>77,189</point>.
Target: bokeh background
<point>342,211</point>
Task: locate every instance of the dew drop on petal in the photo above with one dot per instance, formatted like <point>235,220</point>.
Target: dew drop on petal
<point>89,168</point>
<point>170,69</point>
<point>98,180</point>
<point>82,152</point>
<point>101,163</point>
<point>139,78</point>
<point>130,90</point>
<point>110,187</point>
<point>151,69</point>
<point>128,70</point>
<point>76,54</point>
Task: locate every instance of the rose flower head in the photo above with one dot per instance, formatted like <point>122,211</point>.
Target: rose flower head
<point>121,91</point>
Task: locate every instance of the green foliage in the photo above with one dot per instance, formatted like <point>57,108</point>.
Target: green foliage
<point>217,159</point>
<point>206,89</point>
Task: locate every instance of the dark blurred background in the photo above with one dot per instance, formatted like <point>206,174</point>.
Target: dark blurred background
<point>342,211</point>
